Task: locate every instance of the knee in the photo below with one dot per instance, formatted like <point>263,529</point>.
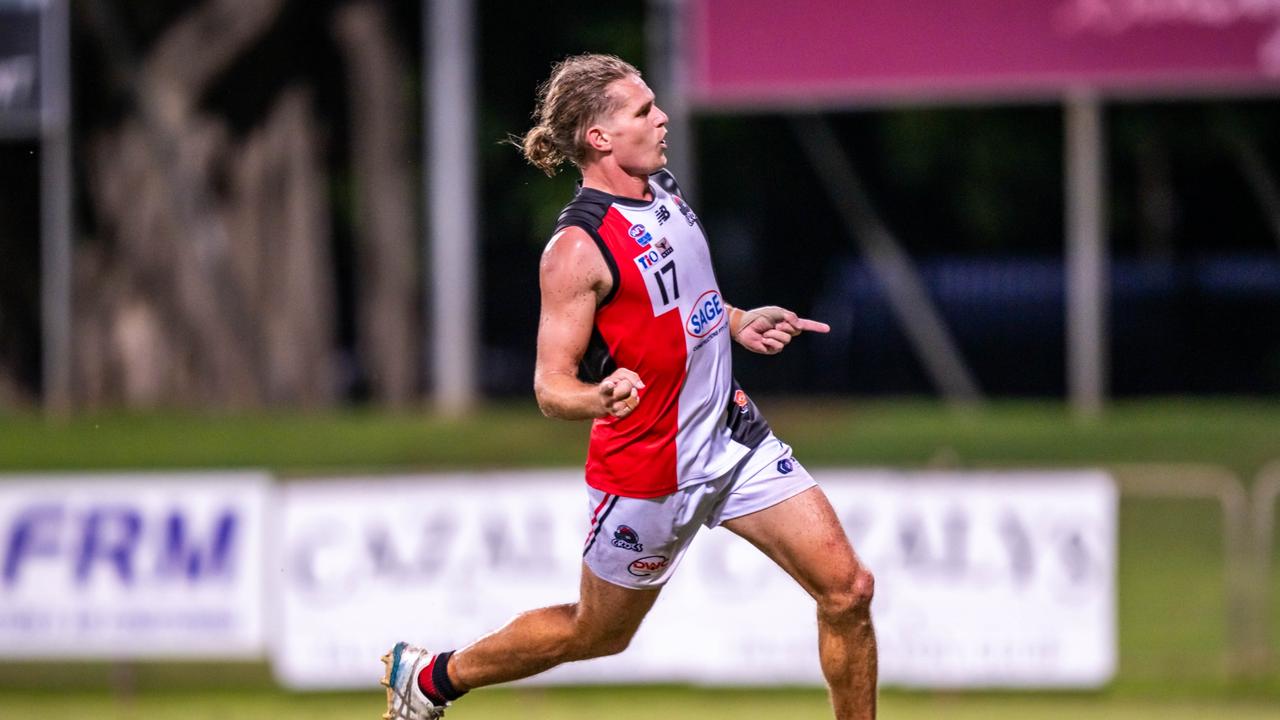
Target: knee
<point>592,641</point>
<point>850,600</point>
<point>587,644</point>
<point>601,646</point>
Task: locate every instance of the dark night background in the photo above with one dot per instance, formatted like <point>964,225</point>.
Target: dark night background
<point>973,193</point>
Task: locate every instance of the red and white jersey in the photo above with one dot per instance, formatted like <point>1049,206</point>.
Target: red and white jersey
<point>664,318</point>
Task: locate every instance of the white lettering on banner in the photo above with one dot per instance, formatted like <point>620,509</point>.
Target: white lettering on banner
<point>1112,17</point>
<point>1119,15</point>
<point>1001,580</point>
<point>17,80</point>
<point>987,580</point>
<point>132,566</point>
<point>446,560</point>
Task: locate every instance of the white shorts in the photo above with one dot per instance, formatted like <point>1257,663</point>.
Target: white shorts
<point>638,542</point>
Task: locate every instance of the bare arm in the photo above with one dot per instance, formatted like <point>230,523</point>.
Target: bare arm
<point>767,330</point>
<point>574,278</point>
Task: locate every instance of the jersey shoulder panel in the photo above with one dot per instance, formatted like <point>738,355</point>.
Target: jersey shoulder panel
<point>665,180</point>
<point>587,211</point>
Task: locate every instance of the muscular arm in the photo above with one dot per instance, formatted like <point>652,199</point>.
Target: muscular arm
<point>574,278</point>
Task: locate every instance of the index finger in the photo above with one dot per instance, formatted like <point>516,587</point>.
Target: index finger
<point>807,325</point>
<point>629,375</point>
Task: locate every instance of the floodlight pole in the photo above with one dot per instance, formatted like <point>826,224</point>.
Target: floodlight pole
<point>450,233</point>
<point>667,69</point>
<point>1087,268</point>
<point>55,208</point>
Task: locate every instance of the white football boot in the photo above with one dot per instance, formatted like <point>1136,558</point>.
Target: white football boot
<point>405,700</point>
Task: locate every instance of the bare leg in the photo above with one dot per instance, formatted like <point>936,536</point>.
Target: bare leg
<point>602,622</point>
<point>804,536</point>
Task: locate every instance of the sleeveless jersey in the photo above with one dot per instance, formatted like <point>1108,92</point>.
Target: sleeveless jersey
<point>665,320</point>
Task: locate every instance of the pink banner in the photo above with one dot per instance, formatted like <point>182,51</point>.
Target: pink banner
<point>787,53</point>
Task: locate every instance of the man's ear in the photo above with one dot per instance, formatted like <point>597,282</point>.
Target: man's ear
<point>598,139</point>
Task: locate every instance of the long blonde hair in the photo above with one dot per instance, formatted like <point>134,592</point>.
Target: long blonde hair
<point>574,97</point>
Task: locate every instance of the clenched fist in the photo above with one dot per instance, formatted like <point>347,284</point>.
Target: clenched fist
<point>620,393</point>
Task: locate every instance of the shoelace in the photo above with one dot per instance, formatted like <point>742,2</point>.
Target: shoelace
<point>405,710</point>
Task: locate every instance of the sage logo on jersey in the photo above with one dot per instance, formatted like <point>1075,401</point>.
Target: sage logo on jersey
<point>706,315</point>
<point>627,539</point>
<point>646,566</point>
<point>640,235</point>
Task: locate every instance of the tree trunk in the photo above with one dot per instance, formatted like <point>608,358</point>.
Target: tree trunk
<point>386,275</point>
<point>280,230</point>
<point>199,294</point>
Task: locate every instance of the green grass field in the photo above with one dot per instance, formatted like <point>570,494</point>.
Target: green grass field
<point>1240,435</point>
<point>1172,611</point>
<point>624,704</point>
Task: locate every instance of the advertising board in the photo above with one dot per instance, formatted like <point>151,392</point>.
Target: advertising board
<point>134,566</point>
<point>983,580</point>
<point>745,53</point>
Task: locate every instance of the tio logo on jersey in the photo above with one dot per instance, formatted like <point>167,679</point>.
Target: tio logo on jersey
<point>707,314</point>
<point>659,250</point>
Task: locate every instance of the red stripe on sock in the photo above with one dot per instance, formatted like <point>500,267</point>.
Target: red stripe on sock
<point>428,687</point>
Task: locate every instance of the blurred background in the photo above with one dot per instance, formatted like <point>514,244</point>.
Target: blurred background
<point>291,236</point>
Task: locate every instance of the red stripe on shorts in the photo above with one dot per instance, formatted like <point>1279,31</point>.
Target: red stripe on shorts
<point>594,515</point>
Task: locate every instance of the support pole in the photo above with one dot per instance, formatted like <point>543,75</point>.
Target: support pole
<point>1086,252</point>
<point>1260,180</point>
<point>55,208</point>
<point>921,322</point>
<point>667,70</point>
<point>451,298</point>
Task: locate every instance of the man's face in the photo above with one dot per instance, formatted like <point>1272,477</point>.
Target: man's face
<point>637,129</point>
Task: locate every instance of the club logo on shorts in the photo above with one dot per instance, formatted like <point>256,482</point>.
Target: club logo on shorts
<point>646,566</point>
<point>786,465</point>
<point>740,399</point>
<point>627,539</point>
<point>640,235</point>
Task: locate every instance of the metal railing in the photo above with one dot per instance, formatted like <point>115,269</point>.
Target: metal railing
<point>1266,490</point>
<point>1249,523</point>
<point>1244,618</point>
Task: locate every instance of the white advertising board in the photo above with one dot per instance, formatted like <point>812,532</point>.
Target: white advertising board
<point>132,566</point>
<point>983,580</point>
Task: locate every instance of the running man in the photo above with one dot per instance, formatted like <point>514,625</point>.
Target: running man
<point>635,336</point>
